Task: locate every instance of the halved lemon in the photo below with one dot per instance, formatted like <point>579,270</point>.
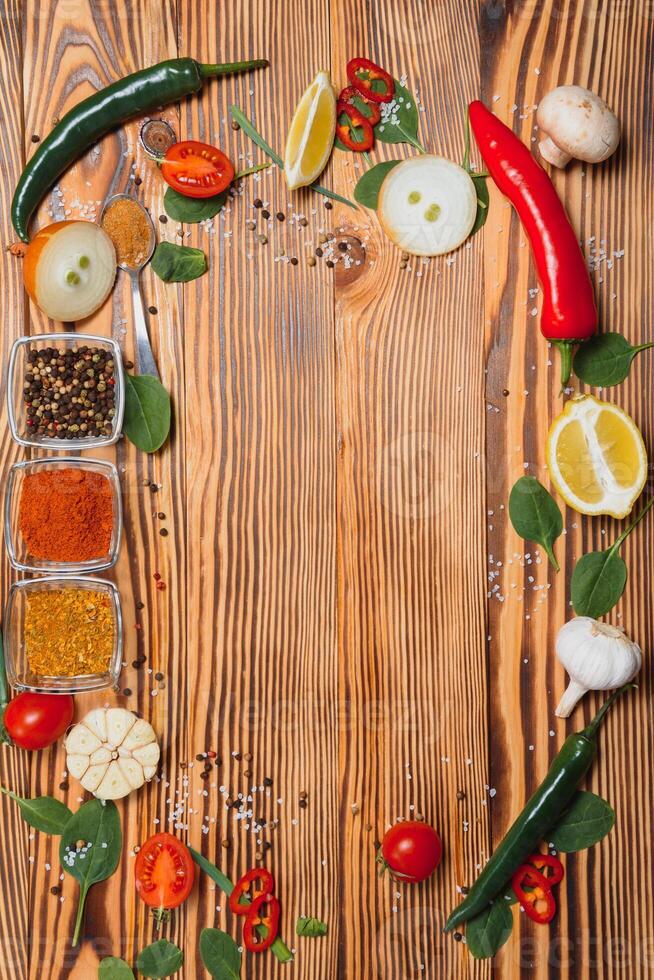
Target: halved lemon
<point>311,136</point>
<point>596,457</point>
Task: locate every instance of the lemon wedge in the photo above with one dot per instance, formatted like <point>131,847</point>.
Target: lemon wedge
<point>596,457</point>
<point>311,136</point>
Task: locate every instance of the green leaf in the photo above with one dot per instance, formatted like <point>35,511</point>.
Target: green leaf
<point>598,581</point>
<point>178,263</point>
<point>367,189</point>
<point>488,931</point>
<point>160,959</point>
<point>97,824</point>
<point>483,200</point>
<point>584,823</point>
<point>192,209</point>
<point>113,968</point>
<point>605,360</point>
<point>146,422</point>
<point>220,954</point>
<point>42,812</point>
<point>401,125</point>
<point>307,926</point>
<point>535,515</point>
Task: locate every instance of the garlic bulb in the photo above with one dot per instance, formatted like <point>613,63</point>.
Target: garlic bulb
<point>112,752</point>
<point>597,657</point>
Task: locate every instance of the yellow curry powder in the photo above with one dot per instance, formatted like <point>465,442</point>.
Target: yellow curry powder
<point>68,632</point>
<point>129,230</point>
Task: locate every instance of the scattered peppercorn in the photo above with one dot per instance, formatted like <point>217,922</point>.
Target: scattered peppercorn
<point>204,775</point>
<point>63,785</point>
<point>293,261</point>
<point>311,260</point>
<point>154,488</point>
<point>127,692</point>
<point>129,365</point>
<point>258,203</point>
<point>329,205</point>
<point>267,781</point>
<point>263,239</point>
<point>55,890</point>
<point>304,222</point>
<point>138,181</point>
<point>247,773</point>
<point>329,264</point>
<point>163,218</point>
<point>152,310</point>
<point>303,794</point>
<point>280,216</point>
<point>458,936</point>
<point>248,757</point>
<point>163,532</point>
<point>159,677</point>
<point>265,214</point>
<point>506,392</point>
<point>235,125</point>
<point>343,246</point>
<point>304,804</point>
<point>319,253</point>
<point>140,605</point>
<point>460,795</point>
<point>225,843</point>
<point>36,139</point>
<point>161,516</point>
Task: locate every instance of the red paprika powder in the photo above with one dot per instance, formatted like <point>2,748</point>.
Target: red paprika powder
<point>66,514</point>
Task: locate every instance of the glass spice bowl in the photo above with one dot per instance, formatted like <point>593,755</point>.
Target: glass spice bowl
<point>17,549</point>
<point>19,674</point>
<point>16,408</point>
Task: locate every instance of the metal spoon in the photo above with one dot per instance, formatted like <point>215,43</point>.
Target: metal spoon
<point>145,361</point>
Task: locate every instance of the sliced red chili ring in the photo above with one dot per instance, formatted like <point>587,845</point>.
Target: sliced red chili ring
<point>362,73</point>
<point>349,94</point>
<point>253,884</point>
<point>541,893</point>
<point>255,919</point>
<point>356,120</point>
<point>542,861</point>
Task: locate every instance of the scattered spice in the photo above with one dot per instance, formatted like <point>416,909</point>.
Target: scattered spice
<point>235,125</point>
<point>265,214</point>
<point>163,218</point>
<point>35,138</point>
<point>281,216</point>
<point>163,532</point>
<point>68,632</point>
<point>66,515</point>
<point>69,392</point>
<point>152,310</point>
<point>258,203</point>
<point>129,229</point>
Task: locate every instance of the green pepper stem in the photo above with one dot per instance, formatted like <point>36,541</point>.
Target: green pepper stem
<point>565,350</point>
<point>231,68</point>
<point>591,730</point>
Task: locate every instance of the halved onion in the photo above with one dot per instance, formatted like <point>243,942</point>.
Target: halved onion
<point>427,205</point>
<point>69,269</point>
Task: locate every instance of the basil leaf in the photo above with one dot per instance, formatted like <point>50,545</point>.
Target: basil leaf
<point>113,968</point>
<point>605,360</point>
<point>598,581</point>
<point>192,209</point>
<point>42,812</point>
<point>483,199</point>
<point>489,930</point>
<point>368,186</point>
<point>146,422</point>
<point>97,824</point>
<point>399,125</point>
<point>220,954</point>
<point>178,263</point>
<point>307,926</point>
<point>160,959</point>
<point>535,514</point>
<point>583,824</point>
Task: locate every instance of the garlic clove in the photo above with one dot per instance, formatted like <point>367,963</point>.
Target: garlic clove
<point>96,721</point>
<point>133,772</point>
<point>573,693</point>
<point>119,722</point>
<point>149,771</point>
<point>114,785</point>
<point>140,734</point>
<point>100,755</point>
<point>82,741</point>
<point>148,755</point>
<point>93,777</point>
<point>77,765</point>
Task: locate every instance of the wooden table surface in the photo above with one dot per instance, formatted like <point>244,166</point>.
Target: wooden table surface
<point>345,599</point>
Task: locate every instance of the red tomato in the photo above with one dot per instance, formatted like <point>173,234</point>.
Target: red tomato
<point>197,169</point>
<point>35,721</point>
<point>411,850</point>
<point>164,872</point>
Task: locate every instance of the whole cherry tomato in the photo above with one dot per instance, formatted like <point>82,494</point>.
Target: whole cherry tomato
<point>197,169</point>
<point>164,873</point>
<point>411,850</point>
<point>35,721</point>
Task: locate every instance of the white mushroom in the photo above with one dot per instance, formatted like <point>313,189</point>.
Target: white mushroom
<point>576,123</point>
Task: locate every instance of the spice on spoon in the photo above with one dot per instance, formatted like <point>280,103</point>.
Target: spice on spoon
<point>68,632</point>
<point>129,230</point>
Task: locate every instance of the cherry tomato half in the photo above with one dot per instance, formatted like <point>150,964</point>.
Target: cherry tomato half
<point>197,169</point>
<point>35,721</point>
<point>411,850</point>
<point>164,872</point>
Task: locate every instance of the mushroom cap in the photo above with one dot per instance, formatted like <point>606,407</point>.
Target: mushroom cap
<point>579,122</point>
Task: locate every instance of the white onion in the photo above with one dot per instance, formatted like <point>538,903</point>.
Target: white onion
<point>75,271</point>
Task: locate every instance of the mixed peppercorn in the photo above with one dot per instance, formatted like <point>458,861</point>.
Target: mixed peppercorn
<point>69,393</point>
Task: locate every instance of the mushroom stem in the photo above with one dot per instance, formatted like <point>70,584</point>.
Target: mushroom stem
<point>551,152</point>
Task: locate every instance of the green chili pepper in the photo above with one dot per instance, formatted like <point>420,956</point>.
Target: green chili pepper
<point>541,814</point>
<point>87,122</point>
<point>4,695</point>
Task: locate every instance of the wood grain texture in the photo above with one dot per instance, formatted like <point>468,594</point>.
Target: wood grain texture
<point>347,613</point>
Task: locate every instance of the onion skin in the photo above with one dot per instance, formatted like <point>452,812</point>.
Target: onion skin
<point>33,253</point>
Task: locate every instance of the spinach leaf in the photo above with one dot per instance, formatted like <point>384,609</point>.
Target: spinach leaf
<point>400,124</point>
<point>113,968</point>
<point>42,812</point>
<point>220,954</point>
<point>307,926</point>
<point>584,823</point>
<point>483,200</point>
<point>192,209</point>
<point>178,263</point>
<point>97,824</point>
<point>160,959</point>
<point>605,360</point>
<point>598,581</point>
<point>367,189</point>
<point>146,422</point>
<point>535,514</point>
<point>488,931</point>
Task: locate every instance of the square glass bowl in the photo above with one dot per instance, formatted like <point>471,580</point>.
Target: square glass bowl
<point>16,379</point>
<point>19,673</point>
<point>19,555</point>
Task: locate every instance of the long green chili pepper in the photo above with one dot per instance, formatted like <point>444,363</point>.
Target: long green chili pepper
<point>103,111</point>
<point>4,695</point>
<point>542,812</point>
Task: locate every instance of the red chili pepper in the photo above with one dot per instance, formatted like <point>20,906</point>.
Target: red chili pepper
<point>253,942</point>
<point>265,885</point>
<point>362,73</point>
<point>349,94</point>
<point>541,861</point>
<point>569,313</point>
<point>532,901</point>
<point>358,120</point>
